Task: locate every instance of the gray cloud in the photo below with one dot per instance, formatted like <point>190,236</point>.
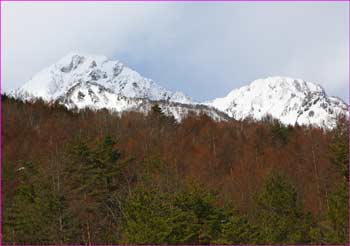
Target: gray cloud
<point>204,49</point>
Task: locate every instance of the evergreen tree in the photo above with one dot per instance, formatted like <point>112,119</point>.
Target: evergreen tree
<point>156,110</point>
<point>161,119</point>
<point>236,229</point>
<point>280,133</point>
<point>338,213</point>
<point>340,148</point>
<point>27,219</point>
<point>165,218</point>
<point>80,185</point>
<point>93,177</point>
<point>279,214</point>
<point>108,170</point>
<point>141,220</point>
<point>4,97</point>
<point>208,216</point>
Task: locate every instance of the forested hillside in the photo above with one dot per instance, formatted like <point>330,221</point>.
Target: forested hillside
<point>97,178</point>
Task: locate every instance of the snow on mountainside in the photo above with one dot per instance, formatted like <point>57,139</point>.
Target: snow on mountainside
<point>289,100</point>
<point>94,96</point>
<point>89,81</point>
<point>54,81</point>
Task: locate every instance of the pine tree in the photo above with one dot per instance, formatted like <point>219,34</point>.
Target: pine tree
<point>80,184</point>
<point>160,118</point>
<point>340,148</point>
<point>26,219</point>
<point>156,110</point>
<point>93,177</point>
<point>109,190</point>
<point>236,229</point>
<point>146,217</point>
<point>188,217</point>
<point>279,215</point>
<point>338,213</point>
<point>280,133</point>
<point>208,216</point>
<point>107,158</point>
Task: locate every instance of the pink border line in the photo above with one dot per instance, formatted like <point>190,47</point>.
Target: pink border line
<point>212,1</point>
<point>0,125</point>
<point>189,1</point>
<point>349,116</point>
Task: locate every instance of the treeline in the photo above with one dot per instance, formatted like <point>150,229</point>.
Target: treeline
<point>99,178</point>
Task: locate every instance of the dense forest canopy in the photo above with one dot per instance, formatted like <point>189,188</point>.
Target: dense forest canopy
<point>99,178</point>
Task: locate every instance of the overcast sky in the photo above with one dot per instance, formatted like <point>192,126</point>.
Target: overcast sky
<point>203,49</point>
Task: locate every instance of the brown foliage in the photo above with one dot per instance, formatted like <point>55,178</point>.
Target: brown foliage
<point>231,157</point>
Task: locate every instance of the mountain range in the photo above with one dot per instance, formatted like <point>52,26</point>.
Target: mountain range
<point>90,81</point>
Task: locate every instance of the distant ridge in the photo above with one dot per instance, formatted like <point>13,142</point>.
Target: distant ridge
<point>92,81</point>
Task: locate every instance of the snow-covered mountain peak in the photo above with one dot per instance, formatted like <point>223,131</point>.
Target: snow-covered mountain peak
<point>298,84</point>
<point>289,100</point>
<point>54,81</point>
<point>81,63</point>
<point>282,85</point>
